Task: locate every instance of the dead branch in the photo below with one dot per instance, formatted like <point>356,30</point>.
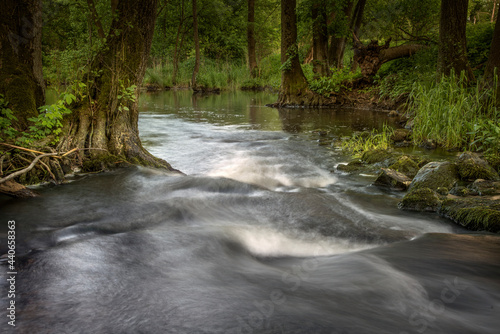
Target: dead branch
<point>27,169</point>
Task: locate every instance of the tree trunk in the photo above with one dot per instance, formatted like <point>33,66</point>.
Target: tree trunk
<point>337,44</point>
<point>320,40</point>
<point>452,55</point>
<point>21,78</point>
<point>177,48</point>
<point>293,82</point>
<point>95,18</point>
<point>107,122</point>
<point>493,11</point>
<point>252,58</point>
<point>196,46</point>
<point>358,17</point>
<point>493,64</point>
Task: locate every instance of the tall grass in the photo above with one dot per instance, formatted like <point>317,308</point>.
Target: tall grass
<point>359,143</point>
<point>454,114</point>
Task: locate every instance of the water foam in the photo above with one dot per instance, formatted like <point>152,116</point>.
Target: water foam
<point>264,241</point>
<point>268,173</point>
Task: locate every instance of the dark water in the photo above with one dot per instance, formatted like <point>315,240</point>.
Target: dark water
<point>259,237</point>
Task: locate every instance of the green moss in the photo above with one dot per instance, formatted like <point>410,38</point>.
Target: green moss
<point>423,199</point>
<point>435,175</point>
<point>101,163</point>
<point>407,166</point>
<point>471,167</point>
<point>374,156</point>
<point>351,167</point>
<point>474,213</point>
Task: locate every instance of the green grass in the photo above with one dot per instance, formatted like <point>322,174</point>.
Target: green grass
<point>455,115</point>
<point>362,142</point>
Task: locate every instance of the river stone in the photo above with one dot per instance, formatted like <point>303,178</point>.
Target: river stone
<point>374,156</point>
<point>472,167</point>
<point>423,199</point>
<point>351,167</point>
<point>474,213</point>
<point>392,179</point>
<point>435,175</point>
<point>486,187</point>
<point>400,135</point>
<point>406,165</point>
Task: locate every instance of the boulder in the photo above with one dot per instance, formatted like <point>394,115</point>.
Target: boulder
<point>392,179</point>
<point>423,199</point>
<point>406,165</point>
<point>435,175</point>
<point>351,167</point>
<point>400,135</point>
<point>485,187</point>
<point>474,213</point>
<point>472,167</point>
<point>375,156</point>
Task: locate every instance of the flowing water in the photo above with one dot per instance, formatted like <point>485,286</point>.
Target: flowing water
<point>260,236</point>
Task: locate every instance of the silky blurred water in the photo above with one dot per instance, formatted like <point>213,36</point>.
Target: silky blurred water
<point>260,236</point>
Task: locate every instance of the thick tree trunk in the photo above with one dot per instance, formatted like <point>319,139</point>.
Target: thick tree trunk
<point>107,123</point>
<point>337,44</point>
<point>452,55</point>
<point>196,46</point>
<point>95,18</point>
<point>493,64</point>
<point>358,17</point>
<point>320,40</point>
<point>21,79</point>
<point>293,82</point>
<point>252,58</point>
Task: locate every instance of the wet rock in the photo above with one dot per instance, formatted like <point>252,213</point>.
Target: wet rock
<point>400,135</point>
<point>494,161</point>
<point>423,199</point>
<point>375,156</point>
<point>460,191</point>
<point>435,175</point>
<point>472,167</point>
<point>392,179</point>
<point>406,165</point>
<point>16,190</point>
<point>485,187</point>
<point>475,213</point>
<point>351,167</point>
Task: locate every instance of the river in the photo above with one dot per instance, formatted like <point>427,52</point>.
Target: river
<point>262,235</point>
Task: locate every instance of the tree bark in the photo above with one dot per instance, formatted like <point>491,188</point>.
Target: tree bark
<point>252,58</point>
<point>493,63</point>
<point>21,78</point>
<point>452,55</point>
<point>294,88</point>
<point>176,50</point>
<point>196,46</point>
<point>337,44</point>
<point>320,40</point>
<point>358,17</point>
<point>107,122</point>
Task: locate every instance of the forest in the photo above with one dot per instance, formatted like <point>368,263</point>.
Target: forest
<point>435,61</point>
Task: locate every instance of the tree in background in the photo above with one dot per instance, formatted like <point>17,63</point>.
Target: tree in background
<point>452,54</point>
<point>21,78</point>
<point>252,58</point>
<point>493,64</point>
<point>196,45</point>
<point>320,39</point>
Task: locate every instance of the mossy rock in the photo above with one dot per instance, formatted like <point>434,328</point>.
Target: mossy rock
<point>375,156</point>
<point>435,175</point>
<point>473,213</point>
<point>400,135</point>
<point>351,167</point>
<point>485,187</point>
<point>389,178</point>
<point>494,161</point>
<point>472,167</point>
<point>406,165</point>
<point>460,191</point>
<point>423,199</point>
<point>102,163</point>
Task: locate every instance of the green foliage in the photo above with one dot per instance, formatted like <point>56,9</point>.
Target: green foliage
<point>6,119</point>
<point>362,142</point>
<point>48,122</point>
<point>396,78</point>
<point>479,38</point>
<point>455,115</point>
<point>125,96</point>
<point>334,83</point>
